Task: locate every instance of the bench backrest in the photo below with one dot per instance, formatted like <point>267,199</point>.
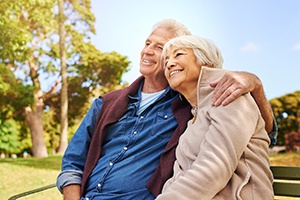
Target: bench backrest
<point>32,192</point>
<point>286,181</point>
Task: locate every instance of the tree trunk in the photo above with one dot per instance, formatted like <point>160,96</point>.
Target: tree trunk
<point>35,123</point>
<point>64,89</point>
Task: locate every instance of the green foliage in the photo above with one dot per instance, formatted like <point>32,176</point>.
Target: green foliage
<point>13,39</point>
<point>102,70</point>
<point>51,130</point>
<point>9,137</point>
<point>13,99</point>
<point>78,102</point>
<point>285,110</point>
<point>15,96</point>
<point>21,22</point>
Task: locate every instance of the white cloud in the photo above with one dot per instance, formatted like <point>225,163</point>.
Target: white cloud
<point>249,47</point>
<point>297,47</point>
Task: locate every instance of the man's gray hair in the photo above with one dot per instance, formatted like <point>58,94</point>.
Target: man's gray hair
<point>173,26</point>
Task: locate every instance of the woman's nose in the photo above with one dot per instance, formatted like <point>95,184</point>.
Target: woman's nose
<point>170,64</point>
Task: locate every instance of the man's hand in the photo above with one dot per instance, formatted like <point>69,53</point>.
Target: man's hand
<point>71,192</point>
<point>232,85</point>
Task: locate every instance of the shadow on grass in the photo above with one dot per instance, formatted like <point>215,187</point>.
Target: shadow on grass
<point>53,162</point>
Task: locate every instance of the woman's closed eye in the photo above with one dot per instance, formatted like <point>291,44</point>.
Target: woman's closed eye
<point>178,54</point>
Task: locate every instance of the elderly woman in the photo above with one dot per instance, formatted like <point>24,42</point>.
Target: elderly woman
<point>223,154</point>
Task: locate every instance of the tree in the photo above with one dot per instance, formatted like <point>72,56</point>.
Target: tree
<point>33,20</point>
<point>30,48</point>
<point>286,109</point>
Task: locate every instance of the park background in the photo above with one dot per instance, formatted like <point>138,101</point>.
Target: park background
<point>103,45</point>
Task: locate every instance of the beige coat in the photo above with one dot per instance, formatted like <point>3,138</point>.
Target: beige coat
<point>224,154</point>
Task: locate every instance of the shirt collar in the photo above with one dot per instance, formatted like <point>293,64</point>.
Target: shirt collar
<point>138,94</point>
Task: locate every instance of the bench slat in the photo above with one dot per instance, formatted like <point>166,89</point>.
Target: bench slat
<point>286,189</point>
<point>286,172</point>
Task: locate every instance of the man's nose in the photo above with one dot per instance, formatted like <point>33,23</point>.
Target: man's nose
<point>149,50</point>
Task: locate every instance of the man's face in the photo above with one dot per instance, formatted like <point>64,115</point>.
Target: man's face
<point>151,64</point>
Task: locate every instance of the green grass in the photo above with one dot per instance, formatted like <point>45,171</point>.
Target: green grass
<point>285,159</point>
<point>20,175</point>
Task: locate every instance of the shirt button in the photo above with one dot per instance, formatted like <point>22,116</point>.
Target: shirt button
<point>87,198</point>
<point>166,116</point>
<point>125,148</point>
<point>111,164</point>
<point>134,132</point>
<point>99,185</point>
<point>142,117</point>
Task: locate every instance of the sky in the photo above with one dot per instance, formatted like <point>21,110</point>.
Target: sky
<point>258,36</point>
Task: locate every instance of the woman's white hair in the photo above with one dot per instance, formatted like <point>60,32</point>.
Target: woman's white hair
<point>206,52</point>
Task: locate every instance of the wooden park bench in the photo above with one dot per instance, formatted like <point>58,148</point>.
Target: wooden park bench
<point>286,183</point>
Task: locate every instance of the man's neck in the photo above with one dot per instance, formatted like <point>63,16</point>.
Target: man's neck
<point>154,86</point>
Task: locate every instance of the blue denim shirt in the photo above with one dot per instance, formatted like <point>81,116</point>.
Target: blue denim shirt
<point>130,152</point>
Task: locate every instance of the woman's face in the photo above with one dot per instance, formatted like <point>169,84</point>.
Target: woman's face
<point>181,69</point>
